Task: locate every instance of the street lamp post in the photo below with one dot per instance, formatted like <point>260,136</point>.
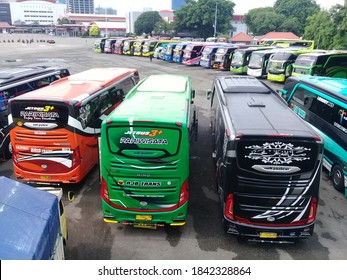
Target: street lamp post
<point>106,22</point>
<point>215,23</point>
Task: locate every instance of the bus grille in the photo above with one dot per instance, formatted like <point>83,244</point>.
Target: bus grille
<point>40,137</point>
<point>140,165</point>
<point>145,190</point>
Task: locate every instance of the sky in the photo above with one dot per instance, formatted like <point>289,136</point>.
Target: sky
<point>241,6</point>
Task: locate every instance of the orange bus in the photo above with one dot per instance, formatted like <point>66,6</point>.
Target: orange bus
<point>55,129</point>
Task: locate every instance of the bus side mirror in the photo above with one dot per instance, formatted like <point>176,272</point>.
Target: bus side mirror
<point>209,94</point>
<point>193,93</point>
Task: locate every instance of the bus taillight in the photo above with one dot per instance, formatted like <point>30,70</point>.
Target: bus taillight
<point>229,207</point>
<point>313,211</point>
<point>76,157</point>
<point>104,191</point>
<point>184,193</point>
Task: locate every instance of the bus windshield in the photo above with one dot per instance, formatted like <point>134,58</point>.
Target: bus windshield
<point>238,57</point>
<point>306,60</point>
<point>256,60</point>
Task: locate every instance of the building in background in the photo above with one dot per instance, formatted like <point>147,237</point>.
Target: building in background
<point>106,11</point>
<point>34,12</point>
<point>131,17</point>
<point>80,6</point>
<point>238,25</point>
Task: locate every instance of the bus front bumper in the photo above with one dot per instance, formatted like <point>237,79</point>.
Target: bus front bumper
<point>276,77</point>
<point>268,234</point>
<point>176,217</point>
<point>254,72</point>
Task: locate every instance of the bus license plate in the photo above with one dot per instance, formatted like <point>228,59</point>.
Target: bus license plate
<point>268,235</point>
<point>45,177</point>
<point>143,217</point>
<point>143,225</point>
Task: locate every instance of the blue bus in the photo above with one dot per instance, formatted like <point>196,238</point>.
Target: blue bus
<point>322,102</point>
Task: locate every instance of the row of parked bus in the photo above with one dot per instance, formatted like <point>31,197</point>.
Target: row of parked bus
<point>276,61</point>
<point>268,160</point>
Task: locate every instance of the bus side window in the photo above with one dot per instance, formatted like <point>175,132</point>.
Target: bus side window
<point>324,109</point>
<point>87,112</point>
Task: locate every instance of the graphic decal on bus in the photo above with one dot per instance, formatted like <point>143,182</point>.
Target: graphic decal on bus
<point>143,141</point>
<point>278,153</point>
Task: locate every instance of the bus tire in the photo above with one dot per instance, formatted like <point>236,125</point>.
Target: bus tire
<point>338,178</point>
<point>8,149</point>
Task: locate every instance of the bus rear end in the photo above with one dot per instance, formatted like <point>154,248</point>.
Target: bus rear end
<point>272,194</point>
<point>144,173</point>
<point>145,154</point>
<point>44,150</point>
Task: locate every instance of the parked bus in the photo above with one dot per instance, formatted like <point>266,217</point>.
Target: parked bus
<point>109,45</point>
<point>145,154</point>
<point>281,63</point>
<point>322,102</point>
<point>54,130</point>
<point>149,49</point>
<point>240,59</point>
<point>330,64</point>
<point>259,63</point>
<point>223,57</point>
<point>288,43</point>
<point>16,81</point>
<point>268,162</point>
<point>178,51</point>
<point>208,56</point>
<point>99,45</point>
<point>138,46</point>
<point>128,47</point>
<point>193,52</point>
<point>118,45</point>
<point>169,52</point>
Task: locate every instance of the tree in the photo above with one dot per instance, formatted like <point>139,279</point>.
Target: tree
<point>298,11</point>
<point>63,20</point>
<point>339,17</point>
<point>198,17</point>
<point>263,20</point>
<point>321,29</point>
<point>94,30</point>
<point>146,21</point>
<point>163,27</point>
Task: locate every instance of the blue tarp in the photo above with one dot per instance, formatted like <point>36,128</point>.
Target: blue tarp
<point>29,221</point>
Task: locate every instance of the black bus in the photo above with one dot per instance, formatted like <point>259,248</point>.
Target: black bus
<point>268,162</point>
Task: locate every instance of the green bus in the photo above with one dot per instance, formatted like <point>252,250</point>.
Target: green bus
<point>322,102</point>
<point>240,59</point>
<point>145,153</point>
<point>330,64</point>
<point>281,63</point>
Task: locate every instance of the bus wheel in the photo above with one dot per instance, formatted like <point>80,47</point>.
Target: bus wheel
<point>338,178</point>
<point>8,150</point>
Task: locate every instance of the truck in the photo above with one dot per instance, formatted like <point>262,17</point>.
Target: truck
<point>30,226</point>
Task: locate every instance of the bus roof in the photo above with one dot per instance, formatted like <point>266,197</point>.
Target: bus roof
<point>159,98</point>
<point>78,86</point>
<point>266,114</point>
<point>11,75</point>
<point>336,86</point>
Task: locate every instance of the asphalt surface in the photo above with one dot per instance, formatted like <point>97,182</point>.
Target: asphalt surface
<point>202,238</point>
